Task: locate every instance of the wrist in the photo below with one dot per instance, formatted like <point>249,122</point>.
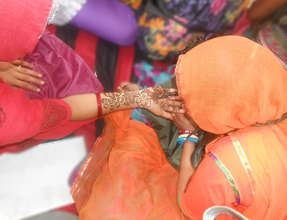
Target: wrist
<point>187,136</point>
<point>113,101</point>
<point>141,98</point>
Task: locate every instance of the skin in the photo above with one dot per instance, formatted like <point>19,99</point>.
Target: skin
<point>263,8</point>
<point>154,99</point>
<point>182,121</point>
<point>20,74</point>
<point>186,168</point>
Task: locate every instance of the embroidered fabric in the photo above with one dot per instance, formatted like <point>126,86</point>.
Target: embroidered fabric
<point>63,11</point>
<point>54,114</point>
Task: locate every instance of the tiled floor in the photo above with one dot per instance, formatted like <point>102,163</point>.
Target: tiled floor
<point>36,180</point>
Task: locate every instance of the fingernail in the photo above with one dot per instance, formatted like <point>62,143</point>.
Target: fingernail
<point>38,90</point>
<point>40,75</point>
<point>42,82</point>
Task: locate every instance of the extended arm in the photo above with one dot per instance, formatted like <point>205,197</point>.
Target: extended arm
<point>154,99</point>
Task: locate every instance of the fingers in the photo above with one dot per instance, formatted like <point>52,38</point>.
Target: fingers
<point>26,85</point>
<point>166,92</point>
<point>167,115</point>
<point>24,70</point>
<point>172,90</point>
<point>176,98</point>
<point>30,78</point>
<point>22,63</point>
<point>172,106</point>
<point>27,78</point>
<point>127,86</point>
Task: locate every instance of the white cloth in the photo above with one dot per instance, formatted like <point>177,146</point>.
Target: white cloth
<point>63,11</point>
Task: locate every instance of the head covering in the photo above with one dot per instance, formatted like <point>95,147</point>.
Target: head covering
<point>22,23</point>
<point>231,82</point>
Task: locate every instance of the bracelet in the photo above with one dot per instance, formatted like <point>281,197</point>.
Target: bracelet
<point>188,135</point>
<point>181,141</point>
<point>182,131</point>
<point>99,102</point>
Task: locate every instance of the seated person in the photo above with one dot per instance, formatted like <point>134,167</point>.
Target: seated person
<point>232,88</point>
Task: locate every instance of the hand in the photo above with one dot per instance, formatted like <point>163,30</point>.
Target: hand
<point>162,101</point>
<point>183,122</point>
<point>20,74</point>
<point>127,86</point>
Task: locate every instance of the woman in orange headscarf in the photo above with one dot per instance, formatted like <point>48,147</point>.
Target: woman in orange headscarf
<point>232,87</point>
<point>239,92</point>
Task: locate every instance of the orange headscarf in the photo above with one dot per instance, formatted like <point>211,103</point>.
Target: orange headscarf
<point>231,82</point>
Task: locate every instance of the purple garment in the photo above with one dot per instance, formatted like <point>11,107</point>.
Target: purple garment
<point>108,19</point>
<point>204,15</point>
<point>65,73</point>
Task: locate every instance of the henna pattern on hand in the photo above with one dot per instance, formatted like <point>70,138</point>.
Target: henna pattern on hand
<point>141,98</point>
<point>112,101</point>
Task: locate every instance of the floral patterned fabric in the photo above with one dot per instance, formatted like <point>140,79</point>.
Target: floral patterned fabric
<point>169,26</point>
<point>273,35</point>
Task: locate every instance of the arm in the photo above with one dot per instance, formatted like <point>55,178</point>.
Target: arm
<point>186,168</point>
<point>154,99</point>
<point>263,8</point>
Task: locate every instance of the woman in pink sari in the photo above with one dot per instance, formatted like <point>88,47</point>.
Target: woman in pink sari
<point>64,93</point>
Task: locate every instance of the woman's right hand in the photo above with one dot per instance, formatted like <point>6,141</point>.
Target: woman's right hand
<point>182,121</point>
<point>20,74</point>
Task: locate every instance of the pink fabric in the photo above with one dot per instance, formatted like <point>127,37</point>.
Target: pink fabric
<point>22,23</point>
<point>23,118</point>
<point>29,118</point>
<point>65,73</point>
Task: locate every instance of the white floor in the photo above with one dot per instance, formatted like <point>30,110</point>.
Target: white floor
<point>36,180</point>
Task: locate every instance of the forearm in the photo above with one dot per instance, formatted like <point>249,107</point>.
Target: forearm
<point>186,168</point>
<point>263,8</point>
<point>85,106</point>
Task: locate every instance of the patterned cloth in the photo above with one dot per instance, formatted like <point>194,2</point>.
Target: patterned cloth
<point>169,26</point>
<point>273,35</point>
<point>149,75</point>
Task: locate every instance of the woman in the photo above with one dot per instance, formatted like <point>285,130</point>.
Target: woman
<point>68,95</point>
<point>229,93</point>
<point>244,102</point>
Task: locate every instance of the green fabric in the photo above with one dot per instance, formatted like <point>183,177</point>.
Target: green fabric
<point>167,132</point>
<point>168,135</point>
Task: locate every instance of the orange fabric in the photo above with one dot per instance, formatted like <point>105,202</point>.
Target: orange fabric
<point>127,175</point>
<point>231,82</point>
<point>266,150</point>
